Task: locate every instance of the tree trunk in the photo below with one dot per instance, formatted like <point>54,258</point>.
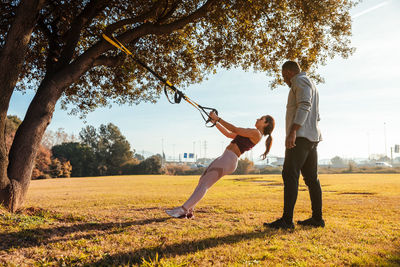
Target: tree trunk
<point>30,133</point>
<point>11,59</point>
<point>28,138</point>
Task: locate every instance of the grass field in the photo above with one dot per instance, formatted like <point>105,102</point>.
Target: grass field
<point>121,221</point>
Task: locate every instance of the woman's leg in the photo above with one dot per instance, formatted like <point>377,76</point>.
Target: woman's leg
<point>223,165</point>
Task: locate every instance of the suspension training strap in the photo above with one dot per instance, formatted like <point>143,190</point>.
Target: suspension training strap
<point>178,95</point>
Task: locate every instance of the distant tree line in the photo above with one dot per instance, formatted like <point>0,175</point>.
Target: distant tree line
<point>102,151</point>
<point>46,166</point>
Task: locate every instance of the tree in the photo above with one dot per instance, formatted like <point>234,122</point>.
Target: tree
<point>51,138</point>
<point>81,157</point>
<point>185,40</point>
<point>43,158</point>
<point>138,157</point>
<point>66,169</point>
<point>109,145</point>
<point>12,124</point>
<point>130,166</point>
<point>151,165</point>
<point>244,166</point>
<point>338,162</point>
<point>56,168</point>
<point>112,148</point>
<point>43,163</point>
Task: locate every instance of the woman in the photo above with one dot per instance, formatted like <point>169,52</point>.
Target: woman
<point>244,139</point>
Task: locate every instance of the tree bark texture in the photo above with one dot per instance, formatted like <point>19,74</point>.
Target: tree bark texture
<point>11,60</point>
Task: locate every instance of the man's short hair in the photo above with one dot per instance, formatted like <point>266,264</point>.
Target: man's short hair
<point>291,65</point>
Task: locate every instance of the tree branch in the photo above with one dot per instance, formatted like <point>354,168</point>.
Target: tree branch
<point>108,61</point>
<point>80,65</point>
<point>150,28</point>
<point>15,45</point>
<point>73,34</point>
<point>141,18</point>
<point>182,22</point>
<point>52,37</point>
<point>169,12</point>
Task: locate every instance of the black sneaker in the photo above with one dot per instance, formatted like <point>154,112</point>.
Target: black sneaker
<point>312,222</point>
<point>279,224</point>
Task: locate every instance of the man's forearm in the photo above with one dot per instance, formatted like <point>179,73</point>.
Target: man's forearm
<point>295,127</point>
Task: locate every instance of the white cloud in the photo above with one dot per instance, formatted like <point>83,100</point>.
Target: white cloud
<point>370,9</point>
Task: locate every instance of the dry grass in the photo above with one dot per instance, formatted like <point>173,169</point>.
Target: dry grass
<point>120,221</point>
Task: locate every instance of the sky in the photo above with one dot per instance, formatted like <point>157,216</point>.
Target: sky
<point>359,102</point>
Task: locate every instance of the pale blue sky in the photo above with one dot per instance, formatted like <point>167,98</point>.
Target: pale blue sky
<point>360,94</point>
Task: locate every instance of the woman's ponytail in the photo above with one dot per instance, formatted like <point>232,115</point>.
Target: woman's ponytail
<point>268,131</point>
<point>268,144</point>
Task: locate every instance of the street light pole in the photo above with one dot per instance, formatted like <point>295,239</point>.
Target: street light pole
<point>384,130</point>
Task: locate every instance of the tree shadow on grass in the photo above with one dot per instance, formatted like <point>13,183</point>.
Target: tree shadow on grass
<point>154,254</point>
<point>394,259</point>
<point>183,248</point>
<point>42,236</point>
<point>27,238</point>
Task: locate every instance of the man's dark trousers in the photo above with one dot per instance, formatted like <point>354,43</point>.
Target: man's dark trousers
<point>301,158</point>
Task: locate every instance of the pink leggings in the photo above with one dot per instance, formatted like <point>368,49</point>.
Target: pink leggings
<point>223,165</point>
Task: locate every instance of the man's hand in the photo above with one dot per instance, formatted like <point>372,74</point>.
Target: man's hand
<point>291,140</point>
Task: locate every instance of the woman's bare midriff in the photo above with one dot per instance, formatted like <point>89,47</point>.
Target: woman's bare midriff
<point>234,148</point>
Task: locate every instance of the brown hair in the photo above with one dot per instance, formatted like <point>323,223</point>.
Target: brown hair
<point>267,131</point>
<point>291,65</point>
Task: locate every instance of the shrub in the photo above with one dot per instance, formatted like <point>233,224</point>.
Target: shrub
<point>175,169</point>
<point>244,166</point>
<point>268,170</point>
<point>43,176</point>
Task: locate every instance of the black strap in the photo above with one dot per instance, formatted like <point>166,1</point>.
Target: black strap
<point>207,117</point>
<point>178,95</point>
<point>166,94</point>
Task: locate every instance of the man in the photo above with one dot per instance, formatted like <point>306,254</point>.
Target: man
<point>302,137</point>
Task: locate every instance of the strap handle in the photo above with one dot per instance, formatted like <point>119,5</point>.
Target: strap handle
<point>207,117</point>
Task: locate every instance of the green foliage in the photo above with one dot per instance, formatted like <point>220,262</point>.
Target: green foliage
<point>105,151</point>
<point>81,157</point>
<point>138,157</point>
<point>45,166</point>
<point>337,161</point>
<point>66,169</point>
<point>110,147</point>
<point>244,166</point>
<point>12,124</point>
<point>151,165</point>
<point>255,34</point>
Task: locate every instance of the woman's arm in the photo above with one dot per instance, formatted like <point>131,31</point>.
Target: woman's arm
<point>251,133</point>
<point>224,131</point>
